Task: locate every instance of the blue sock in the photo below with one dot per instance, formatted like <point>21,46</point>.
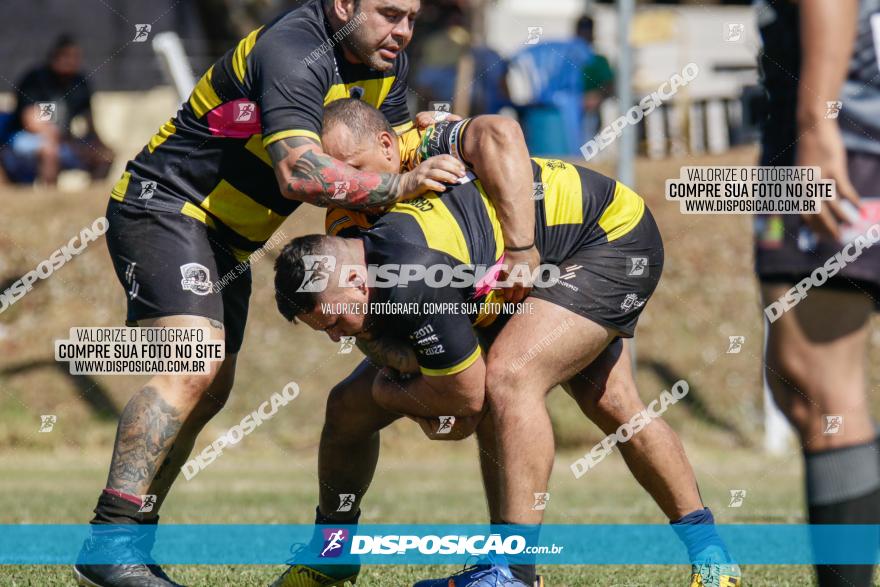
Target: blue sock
<point>697,531</point>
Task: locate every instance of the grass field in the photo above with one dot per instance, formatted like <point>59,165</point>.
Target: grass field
<point>707,294</point>
<point>243,487</point>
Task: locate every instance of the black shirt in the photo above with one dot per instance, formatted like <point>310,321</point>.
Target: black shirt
<point>72,97</point>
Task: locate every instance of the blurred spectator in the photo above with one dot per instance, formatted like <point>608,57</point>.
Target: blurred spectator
<point>438,58</point>
<point>547,83</point>
<point>598,79</point>
<point>449,68</point>
<point>51,100</point>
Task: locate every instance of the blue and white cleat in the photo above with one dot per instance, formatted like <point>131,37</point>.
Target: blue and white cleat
<point>479,576</point>
<point>713,567</point>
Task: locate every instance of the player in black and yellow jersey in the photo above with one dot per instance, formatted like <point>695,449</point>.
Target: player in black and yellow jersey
<point>607,248</point>
<point>211,187</point>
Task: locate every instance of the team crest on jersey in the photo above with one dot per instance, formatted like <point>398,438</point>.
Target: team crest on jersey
<point>196,278</point>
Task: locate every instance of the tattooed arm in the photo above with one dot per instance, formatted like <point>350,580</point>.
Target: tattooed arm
<point>306,173</point>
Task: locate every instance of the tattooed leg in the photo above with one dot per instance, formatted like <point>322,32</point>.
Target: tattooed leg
<point>147,429</point>
<point>211,403</point>
<point>159,424</point>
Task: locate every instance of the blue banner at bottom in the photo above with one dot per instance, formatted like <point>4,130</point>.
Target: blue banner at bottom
<point>766,544</point>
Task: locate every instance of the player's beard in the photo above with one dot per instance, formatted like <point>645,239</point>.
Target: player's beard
<point>362,49</point>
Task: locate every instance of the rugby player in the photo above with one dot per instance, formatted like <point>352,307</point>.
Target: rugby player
<point>820,72</point>
<point>587,224</point>
<point>209,189</point>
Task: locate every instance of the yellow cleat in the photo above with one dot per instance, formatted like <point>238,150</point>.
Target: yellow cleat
<point>716,575</point>
<point>304,576</point>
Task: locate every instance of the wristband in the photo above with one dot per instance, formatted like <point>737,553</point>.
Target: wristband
<point>519,249</point>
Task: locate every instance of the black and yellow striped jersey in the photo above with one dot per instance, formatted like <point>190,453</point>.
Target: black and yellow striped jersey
<point>210,161</point>
<point>578,208</point>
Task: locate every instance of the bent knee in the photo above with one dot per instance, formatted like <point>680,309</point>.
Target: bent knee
<point>617,402</point>
<point>502,382</point>
<point>469,403</point>
<point>339,402</point>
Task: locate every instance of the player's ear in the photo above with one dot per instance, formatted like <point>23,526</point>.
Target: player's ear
<point>388,144</point>
<point>342,9</point>
<point>357,277</point>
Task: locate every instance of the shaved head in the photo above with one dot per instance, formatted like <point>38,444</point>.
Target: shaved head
<point>363,120</point>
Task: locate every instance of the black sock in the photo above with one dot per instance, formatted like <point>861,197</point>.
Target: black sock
<point>317,542</point>
<point>112,508</point>
<point>843,487</point>
<point>525,573</point>
<point>334,518</point>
